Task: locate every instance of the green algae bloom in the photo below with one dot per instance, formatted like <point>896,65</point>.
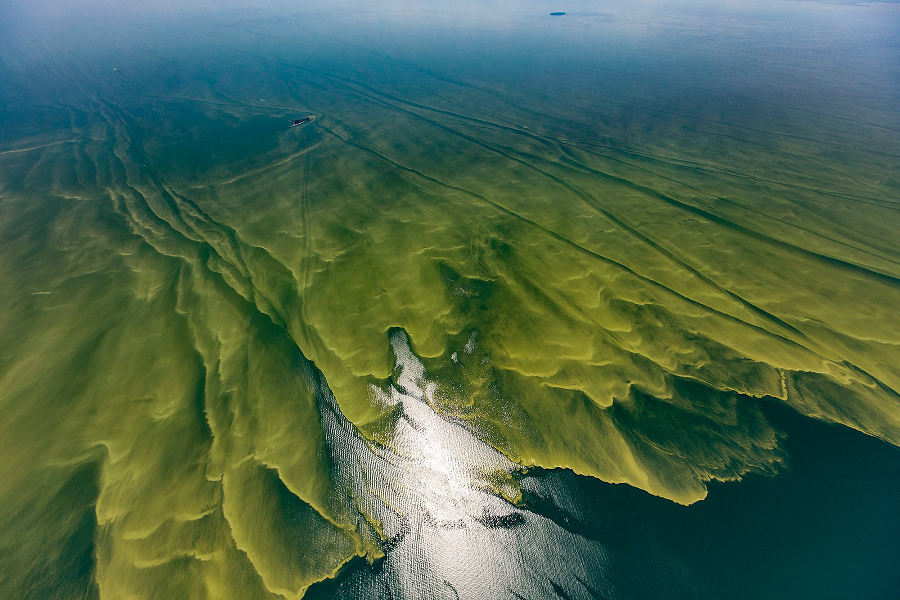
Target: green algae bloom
<point>240,357</point>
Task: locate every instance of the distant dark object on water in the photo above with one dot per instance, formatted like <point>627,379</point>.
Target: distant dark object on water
<point>296,122</point>
<point>557,14</point>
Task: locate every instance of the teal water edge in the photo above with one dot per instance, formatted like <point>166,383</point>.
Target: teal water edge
<point>449,300</point>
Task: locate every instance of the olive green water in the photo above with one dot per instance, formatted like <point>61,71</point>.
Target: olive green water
<point>607,236</point>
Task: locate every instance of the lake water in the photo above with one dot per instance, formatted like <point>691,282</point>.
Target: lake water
<point>591,305</point>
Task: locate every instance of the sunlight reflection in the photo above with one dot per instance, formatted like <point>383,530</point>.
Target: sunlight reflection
<point>448,535</point>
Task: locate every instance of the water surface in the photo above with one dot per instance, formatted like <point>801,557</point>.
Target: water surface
<point>511,261</point>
